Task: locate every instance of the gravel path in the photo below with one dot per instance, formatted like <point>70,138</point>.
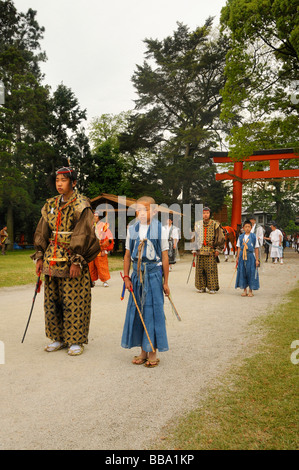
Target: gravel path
<point>100,400</point>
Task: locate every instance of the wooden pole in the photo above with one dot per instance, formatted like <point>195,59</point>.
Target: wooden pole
<point>141,318</point>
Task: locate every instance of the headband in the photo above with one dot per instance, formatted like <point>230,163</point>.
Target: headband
<point>65,170</point>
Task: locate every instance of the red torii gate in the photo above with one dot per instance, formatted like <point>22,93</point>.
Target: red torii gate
<point>239,175</point>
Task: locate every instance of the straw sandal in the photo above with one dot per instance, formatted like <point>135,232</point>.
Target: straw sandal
<point>76,351</point>
<point>55,346</point>
<point>244,294</point>
<point>141,360</point>
<point>151,364</point>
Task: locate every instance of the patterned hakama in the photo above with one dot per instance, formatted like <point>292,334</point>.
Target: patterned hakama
<point>206,273</point>
<point>67,308</point>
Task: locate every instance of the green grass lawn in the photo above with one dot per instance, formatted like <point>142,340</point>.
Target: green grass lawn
<point>256,407</point>
<point>17,268</point>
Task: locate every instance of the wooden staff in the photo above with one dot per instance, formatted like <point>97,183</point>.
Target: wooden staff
<point>192,266</point>
<point>141,318</point>
<point>233,276</point>
<point>174,309</point>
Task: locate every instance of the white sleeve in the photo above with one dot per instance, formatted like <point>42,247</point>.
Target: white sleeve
<point>164,245</point>
<point>260,235</point>
<point>164,239</point>
<point>175,233</point>
<point>128,240</point>
<point>238,243</point>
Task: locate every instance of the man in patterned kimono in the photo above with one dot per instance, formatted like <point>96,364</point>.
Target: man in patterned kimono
<point>209,241</point>
<point>173,239</point>
<point>65,243</point>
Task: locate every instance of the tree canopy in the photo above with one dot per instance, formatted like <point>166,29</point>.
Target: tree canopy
<point>176,119</point>
<point>38,130</point>
<point>262,68</point>
<point>260,103</point>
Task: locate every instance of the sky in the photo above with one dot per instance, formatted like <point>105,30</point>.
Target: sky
<point>93,46</point>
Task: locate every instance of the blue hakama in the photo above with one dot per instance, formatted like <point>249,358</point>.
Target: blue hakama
<point>152,310</point>
<point>149,296</point>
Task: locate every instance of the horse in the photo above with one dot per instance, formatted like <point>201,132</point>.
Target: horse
<point>231,236</point>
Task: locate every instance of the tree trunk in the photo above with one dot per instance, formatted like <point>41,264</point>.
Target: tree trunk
<point>278,197</point>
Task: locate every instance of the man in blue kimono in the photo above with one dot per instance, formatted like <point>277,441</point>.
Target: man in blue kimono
<point>147,248</point>
<point>247,261</point>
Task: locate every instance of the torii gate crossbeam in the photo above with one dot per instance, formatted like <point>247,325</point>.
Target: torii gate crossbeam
<point>239,175</point>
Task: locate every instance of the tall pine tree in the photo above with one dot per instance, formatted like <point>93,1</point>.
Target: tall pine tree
<point>177,115</point>
<point>23,116</point>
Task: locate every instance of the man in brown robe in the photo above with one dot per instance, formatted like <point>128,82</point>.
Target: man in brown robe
<point>65,243</point>
<point>209,241</point>
<point>3,239</point>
